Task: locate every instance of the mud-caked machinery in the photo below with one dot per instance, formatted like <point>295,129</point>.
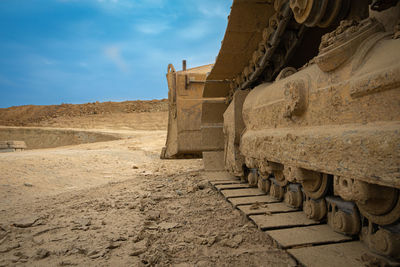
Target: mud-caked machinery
<point>303,101</point>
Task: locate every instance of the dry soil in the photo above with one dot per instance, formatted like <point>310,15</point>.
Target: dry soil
<point>117,204</point>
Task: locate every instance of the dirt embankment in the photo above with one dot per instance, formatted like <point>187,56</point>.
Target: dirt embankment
<point>60,115</point>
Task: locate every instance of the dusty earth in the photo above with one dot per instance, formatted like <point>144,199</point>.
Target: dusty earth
<point>117,204</point>
<point>82,115</point>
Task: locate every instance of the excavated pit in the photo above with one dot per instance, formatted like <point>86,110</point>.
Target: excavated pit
<point>38,138</point>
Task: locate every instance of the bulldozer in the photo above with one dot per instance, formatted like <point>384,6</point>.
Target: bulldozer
<point>185,98</point>
<point>303,102</point>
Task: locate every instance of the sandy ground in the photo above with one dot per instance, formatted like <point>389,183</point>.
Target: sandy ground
<point>76,115</point>
<point>117,204</point>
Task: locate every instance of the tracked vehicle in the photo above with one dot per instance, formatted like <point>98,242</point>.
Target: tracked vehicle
<point>311,110</point>
<point>185,99</point>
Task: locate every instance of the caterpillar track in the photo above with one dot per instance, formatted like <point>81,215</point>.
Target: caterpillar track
<point>303,103</point>
<point>310,242</point>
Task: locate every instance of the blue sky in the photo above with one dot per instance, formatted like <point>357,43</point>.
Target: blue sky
<point>78,51</point>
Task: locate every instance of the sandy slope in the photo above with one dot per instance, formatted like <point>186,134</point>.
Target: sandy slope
<point>58,115</point>
<point>117,204</point>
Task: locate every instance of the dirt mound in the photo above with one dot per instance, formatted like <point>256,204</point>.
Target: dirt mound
<point>31,115</point>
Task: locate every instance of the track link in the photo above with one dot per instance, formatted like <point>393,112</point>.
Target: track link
<point>311,243</point>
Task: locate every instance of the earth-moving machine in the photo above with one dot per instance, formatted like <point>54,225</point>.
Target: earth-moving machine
<point>311,110</point>
<point>185,99</point>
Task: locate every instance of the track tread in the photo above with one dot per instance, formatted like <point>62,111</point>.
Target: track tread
<point>224,182</point>
<point>282,220</point>
<point>340,254</point>
<point>310,235</point>
<point>231,186</point>
<point>310,242</point>
<point>243,192</point>
<point>238,201</point>
<point>266,208</point>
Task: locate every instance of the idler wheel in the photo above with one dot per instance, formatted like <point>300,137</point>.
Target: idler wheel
<point>277,192</point>
<point>264,184</point>
<point>294,196</point>
<point>382,206</point>
<point>344,223</point>
<point>280,178</point>
<point>309,12</point>
<point>334,11</point>
<point>252,178</point>
<point>301,9</point>
<point>383,241</point>
<point>343,216</point>
<point>286,72</point>
<point>315,209</point>
<point>386,242</point>
<point>315,184</point>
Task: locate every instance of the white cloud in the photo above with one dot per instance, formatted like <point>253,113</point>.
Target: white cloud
<point>83,64</point>
<point>113,53</point>
<point>105,1</point>
<point>106,5</point>
<point>157,55</point>
<point>152,28</point>
<point>113,4</point>
<point>46,61</point>
<point>39,60</point>
<point>212,9</point>
<point>154,3</point>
